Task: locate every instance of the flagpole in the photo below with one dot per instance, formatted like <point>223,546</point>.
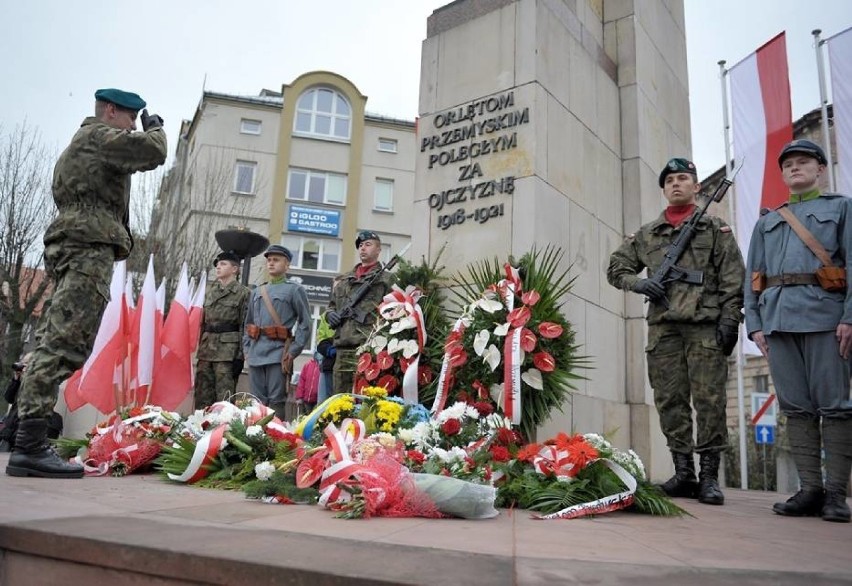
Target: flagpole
<point>823,103</point>
<point>740,357</point>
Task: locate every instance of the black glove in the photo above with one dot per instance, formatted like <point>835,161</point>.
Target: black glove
<point>333,319</point>
<point>727,334</point>
<point>650,289</point>
<point>150,121</point>
<point>237,367</point>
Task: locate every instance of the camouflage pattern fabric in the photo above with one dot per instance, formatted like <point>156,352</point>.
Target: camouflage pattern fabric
<point>68,327</point>
<point>214,381</point>
<point>684,362</point>
<point>352,334</point>
<point>224,305</point>
<point>343,376</point>
<point>91,190</point>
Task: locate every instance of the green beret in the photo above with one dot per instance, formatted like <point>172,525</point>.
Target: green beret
<point>677,165</point>
<point>122,99</point>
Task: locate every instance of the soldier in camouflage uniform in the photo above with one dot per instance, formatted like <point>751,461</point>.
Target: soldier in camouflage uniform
<point>688,342</point>
<point>91,189</point>
<point>220,350</point>
<point>351,332</point>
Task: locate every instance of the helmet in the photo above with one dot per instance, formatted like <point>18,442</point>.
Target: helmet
<point>804,147</point>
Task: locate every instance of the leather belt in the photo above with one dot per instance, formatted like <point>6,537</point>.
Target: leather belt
<point>791,279</point>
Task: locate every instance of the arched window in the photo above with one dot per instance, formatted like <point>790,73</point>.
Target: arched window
<point>323,112</point>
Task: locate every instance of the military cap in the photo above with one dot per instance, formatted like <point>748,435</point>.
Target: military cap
<point>677,165</point>
<point>229,255</point>
<point>279,250</point>
<point>366,235</point>
<point>122,99</point>
<point>804,147</point>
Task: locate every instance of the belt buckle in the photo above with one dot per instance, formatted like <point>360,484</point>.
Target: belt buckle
<point>786,279</point>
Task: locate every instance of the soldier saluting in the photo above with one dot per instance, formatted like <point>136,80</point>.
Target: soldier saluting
<point>693,326</point>
<point>91,190</point>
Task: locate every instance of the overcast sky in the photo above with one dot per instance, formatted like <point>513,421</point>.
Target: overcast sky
<point>57,52</point>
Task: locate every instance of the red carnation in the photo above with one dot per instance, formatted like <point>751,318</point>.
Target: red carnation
<point>451,427</point>
<point>544,362</point>
<point>500,454</point>
<point>364,362</point>
<point>519,317</point>
<point>530,298</point>
<point>384,360</point>
<point>549,330</point>
<point>416,456</point>
<point>528,340</point>
<point>506,436</point>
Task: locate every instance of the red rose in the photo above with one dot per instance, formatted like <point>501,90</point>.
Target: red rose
<point>416,456</point>
<point>530,298</point>
<point>544,362</point>
<point>451,427</point>
<point>384,360</point>
<point>519,317</point>
<point>484,408</point>
<point>500,454</point>
<point>506,436</point>
<point>364,362</point>
<point>549,330</point>
<point>528,340</point>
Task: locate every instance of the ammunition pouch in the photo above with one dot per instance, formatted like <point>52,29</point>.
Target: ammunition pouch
<point>221,328</point>
<point>276,332</point>
<point>689,276</point>
<point>253,331</point>
<point>758,282</point>
<point>832,279</point>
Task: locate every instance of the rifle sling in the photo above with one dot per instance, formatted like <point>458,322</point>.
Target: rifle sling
<point>805,236</point>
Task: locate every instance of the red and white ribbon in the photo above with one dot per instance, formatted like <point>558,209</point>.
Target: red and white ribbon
<point>613,502</point>
<point>444,377</point>
<point>511,351</point>
<point>340,442</point>
<point>407,300</point>
<point>205,450</point>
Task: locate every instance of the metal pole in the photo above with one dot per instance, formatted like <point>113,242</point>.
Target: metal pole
<point>823,102</point>
<point>740,358</point>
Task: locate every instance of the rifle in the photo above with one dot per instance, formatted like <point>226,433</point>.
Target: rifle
<point>350,309</point>
<point>669,271</point>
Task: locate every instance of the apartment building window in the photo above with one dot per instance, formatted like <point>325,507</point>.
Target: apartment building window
<point>387,145</point>
<point>248,126</point>
<point>383,195</point>
<point>244,177</point>
<point>761,383</point>
<point>323,112</point>
<point>318,254</point>
<point>317,186</point>
<point>387,253</point>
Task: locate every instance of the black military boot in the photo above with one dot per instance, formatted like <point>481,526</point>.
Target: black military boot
<point>837,440</point>
<point>804,438</point>
<point>709,492</point>
<point>683,483</point>
<point>33,456</point>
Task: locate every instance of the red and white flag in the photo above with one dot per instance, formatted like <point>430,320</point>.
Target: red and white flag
<point>173,377</point>
<point>144,335</point>
<point>196,312</point>
<point>840,56</point>
<point>93,383</point>
<point>762,123</point>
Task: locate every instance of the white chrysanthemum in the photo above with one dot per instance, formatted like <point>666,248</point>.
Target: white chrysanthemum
<point>598,441</point>
<point>264,470</point>
<point>471,412</point>
<point>455,411</point>
<point>637,461</point>
<point>384,439</point>
<point>424,435</point>
<point>254,431</point>
<point>454,454</point>
<point>406,435</point>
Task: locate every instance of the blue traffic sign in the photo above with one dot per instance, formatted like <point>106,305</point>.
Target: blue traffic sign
<point>764,434</point>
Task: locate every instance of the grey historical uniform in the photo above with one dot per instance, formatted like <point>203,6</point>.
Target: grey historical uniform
<point>353,332</point>
<point>91,190</point>
<point>264,353</point>
<point>685,360</point>
<point>799,320</point>
<point>220,348</point>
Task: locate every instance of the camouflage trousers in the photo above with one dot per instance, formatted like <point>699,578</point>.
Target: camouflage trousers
<point>684,362</point>
<point>214,381</point>
<point>67,330</point>
<point>343,377</point>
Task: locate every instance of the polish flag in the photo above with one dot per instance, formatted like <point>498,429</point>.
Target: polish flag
<point>762,123</point>
<point>173,378</point>
<point>840,56</point>
<point>144,335</point>
<point>93,383</point>
<point>196,312</point>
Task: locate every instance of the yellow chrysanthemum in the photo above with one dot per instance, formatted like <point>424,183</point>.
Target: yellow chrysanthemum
<point>375,392</point>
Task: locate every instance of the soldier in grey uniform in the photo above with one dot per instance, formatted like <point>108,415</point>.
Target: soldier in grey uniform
<point>805,330</point>
<point>689,341</point>
<point>91,190</point>
<point>220,350</point>
<point>269,347</point>
<point>352,331</point>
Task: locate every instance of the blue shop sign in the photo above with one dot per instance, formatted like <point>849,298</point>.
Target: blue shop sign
<point>313,220</point>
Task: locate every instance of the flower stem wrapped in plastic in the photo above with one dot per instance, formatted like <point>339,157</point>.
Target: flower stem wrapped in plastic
<point>458,498</point>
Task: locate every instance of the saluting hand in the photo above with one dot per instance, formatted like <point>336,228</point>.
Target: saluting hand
<point>844,337</point>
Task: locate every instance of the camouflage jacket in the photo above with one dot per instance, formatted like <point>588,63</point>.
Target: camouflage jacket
<point>712,250</point>
<point>223,305</point>
<point>91,183</point>
<point>352,334</point>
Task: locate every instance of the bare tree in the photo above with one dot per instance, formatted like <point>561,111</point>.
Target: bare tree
<point>26,209</point>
